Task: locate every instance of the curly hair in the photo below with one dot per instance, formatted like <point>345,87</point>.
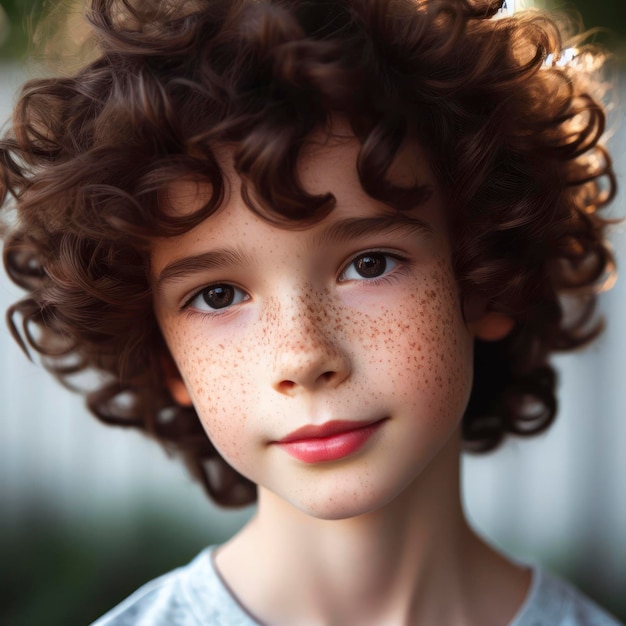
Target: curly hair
<point>512,135</point>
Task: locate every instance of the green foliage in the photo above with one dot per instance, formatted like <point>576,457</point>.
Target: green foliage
<point>17,18</point>
<point>606,14</point>
<point>55,574</point>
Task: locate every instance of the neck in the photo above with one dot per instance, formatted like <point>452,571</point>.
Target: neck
<point>413,560</point>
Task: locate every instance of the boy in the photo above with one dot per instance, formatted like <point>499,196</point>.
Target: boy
<point>335,237</point>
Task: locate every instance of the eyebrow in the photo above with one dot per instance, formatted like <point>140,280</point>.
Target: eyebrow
<point>200,262</point>
<point>336,233</point>
<point>358,227</point>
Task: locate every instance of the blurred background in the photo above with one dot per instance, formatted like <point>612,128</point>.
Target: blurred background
<point>88,513</point>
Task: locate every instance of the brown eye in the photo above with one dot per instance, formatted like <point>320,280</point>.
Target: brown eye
<point>370,265</point>
<point>219,296</point>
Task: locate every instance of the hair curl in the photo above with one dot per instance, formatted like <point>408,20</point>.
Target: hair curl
<point>512,136</point>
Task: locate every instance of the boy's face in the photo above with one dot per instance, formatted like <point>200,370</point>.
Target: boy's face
<point>356,319</point>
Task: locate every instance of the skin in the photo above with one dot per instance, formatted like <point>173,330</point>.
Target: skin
<point>377,537</point>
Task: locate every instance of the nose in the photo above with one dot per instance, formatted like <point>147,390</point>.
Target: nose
<point>308,353</point>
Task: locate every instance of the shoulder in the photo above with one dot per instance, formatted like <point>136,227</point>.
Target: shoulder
<point>554,602</point>
<point>193,595</point>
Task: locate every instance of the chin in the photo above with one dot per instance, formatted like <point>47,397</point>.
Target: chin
<point>349,502</point>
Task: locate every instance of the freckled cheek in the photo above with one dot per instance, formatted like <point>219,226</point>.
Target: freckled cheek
<point>419,349</point>
<point>217,375</point>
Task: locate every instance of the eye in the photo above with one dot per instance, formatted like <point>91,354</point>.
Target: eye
<point>215,297</point>
<point>369,265</point>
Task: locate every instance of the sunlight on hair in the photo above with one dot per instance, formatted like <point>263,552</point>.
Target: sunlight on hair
<point>507,8</point>
<point>566,57</point>
<point>511,6</point>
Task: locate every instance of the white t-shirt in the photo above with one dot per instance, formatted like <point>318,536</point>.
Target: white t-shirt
<point>196,595</point>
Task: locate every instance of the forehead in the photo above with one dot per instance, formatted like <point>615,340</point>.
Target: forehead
<point>236,236</point>
<point>327,162</point>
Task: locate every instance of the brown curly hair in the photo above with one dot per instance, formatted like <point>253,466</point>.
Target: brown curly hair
<point>512,136</point>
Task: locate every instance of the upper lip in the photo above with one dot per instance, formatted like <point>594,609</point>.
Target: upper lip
<point>327,429</point>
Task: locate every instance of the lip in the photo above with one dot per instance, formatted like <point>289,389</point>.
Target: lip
<point>328,442</point>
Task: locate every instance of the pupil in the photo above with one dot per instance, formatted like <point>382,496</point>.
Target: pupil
<point>370,266</point>
<point>220,296</point>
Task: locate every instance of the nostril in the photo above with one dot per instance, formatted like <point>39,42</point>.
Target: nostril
<point>286,385</point>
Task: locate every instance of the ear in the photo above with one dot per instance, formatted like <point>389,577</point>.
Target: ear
<point>483,323</point>
<point>174,381</point>
<point>492,326</point>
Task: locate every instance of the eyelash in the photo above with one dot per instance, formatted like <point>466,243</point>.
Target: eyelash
<point>387,276</point>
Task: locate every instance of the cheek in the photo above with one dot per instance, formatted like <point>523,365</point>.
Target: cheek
<point>418,347</point>
<point>215,377</point>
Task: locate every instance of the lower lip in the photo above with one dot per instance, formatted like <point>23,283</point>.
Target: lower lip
<point>330,448</point>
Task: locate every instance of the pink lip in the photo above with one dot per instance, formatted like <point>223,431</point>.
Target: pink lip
<point>328,442</point>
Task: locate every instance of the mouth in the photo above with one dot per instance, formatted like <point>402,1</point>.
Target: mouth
<point>328,442</point>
